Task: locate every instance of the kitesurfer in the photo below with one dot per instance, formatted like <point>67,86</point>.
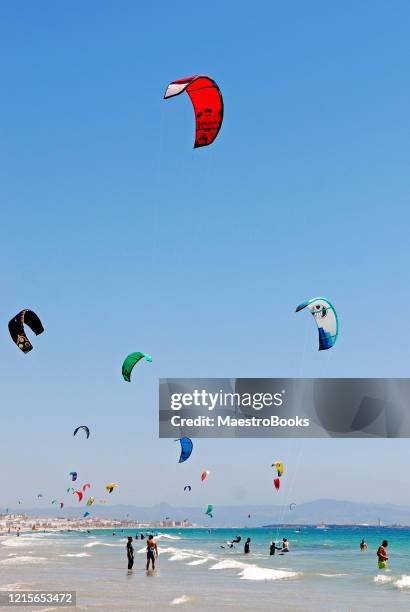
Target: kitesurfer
<point>382,554</point>
<point>152,551</point>
<point>130,553</point>
<point>247,547</point>
<point>363,545</point>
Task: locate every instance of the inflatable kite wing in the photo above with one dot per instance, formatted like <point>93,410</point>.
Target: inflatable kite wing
<point>129,363</point>
<point>208,105</point>
<point>79,494</point>
<point>186,449</point>
<point>73,477</point>
<point>326,320</point>
<point>16,328</point>
<point>209,510</point>
<point>86,429</point>
<point>280,468</point>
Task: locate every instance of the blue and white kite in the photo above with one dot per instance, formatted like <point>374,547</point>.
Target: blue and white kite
<point>326,319</point>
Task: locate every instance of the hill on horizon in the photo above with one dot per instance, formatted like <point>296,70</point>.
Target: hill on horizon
<point>329,511</point>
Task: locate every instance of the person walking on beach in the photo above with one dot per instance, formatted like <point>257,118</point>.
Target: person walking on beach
<point>247,547</point>
<point>382,554</point>
<point>130,553</point>
<point>152,551</point>
<point>363,545</point>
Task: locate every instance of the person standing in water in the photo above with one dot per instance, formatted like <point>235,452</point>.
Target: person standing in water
<point>382,554</point>
<point>130,553</point>
<point>152,551</point>
<point>363,545</point>
<point>285,545</point>
<point>247,547</point>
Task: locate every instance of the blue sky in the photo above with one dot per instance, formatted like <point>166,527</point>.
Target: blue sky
<point>123,238</point>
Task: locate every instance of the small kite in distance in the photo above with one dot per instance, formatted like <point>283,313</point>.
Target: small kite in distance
<point>209,510</point>
<point>86,429</point>
<point>186,448</point>
<point>326,319</point>
<point>130,361</point>
<point>80,495</point>
<point>16,328</point>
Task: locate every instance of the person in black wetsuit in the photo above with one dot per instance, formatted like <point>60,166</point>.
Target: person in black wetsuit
<point>247,547</point>
<point>130,553</point>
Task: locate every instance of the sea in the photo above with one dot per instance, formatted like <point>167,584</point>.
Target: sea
<point>324,570</point>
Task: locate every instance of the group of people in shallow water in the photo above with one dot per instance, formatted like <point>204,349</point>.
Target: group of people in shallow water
<point>381,553</point>
<point>283,548</point>
<point>152,552</point>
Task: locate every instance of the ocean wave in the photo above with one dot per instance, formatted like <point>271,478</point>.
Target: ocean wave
<point>253,572</point>
<point>75,555</point>
<point>92,544</point>
<point>403,582</point>
<point>382,578</point>
<point>167,536</point>
<point>229,564</point>
<point>332,575</point>
<point>17,542</point>
<point>181,600</point>
<point>98,543</point>
<point>201,561</point>
<point>24,560</point>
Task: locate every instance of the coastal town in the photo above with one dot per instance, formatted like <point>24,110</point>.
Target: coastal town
<point>23,522</point>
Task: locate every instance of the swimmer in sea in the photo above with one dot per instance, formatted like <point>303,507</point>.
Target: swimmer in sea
<point>382,554</point>
<point>247,547</point>
<point>285,545</point>
<point>273,548</point>
<point>152,551</point>
<point>363,545</point>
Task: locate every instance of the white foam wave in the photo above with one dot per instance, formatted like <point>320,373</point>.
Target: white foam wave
<point>76,555</point>
<point>229,564</point>
<point>98,543</point>
<point>24,560</point>
<point>201,561</point>
<point>17,542</point>
<point>253,572</point>
<point>167,536</point>
<point>382,578</point>
<point>182,555</point>
<point>332,575</point>
<point>181,600</point>
<point>403,582</point>
<point>92,544</point>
